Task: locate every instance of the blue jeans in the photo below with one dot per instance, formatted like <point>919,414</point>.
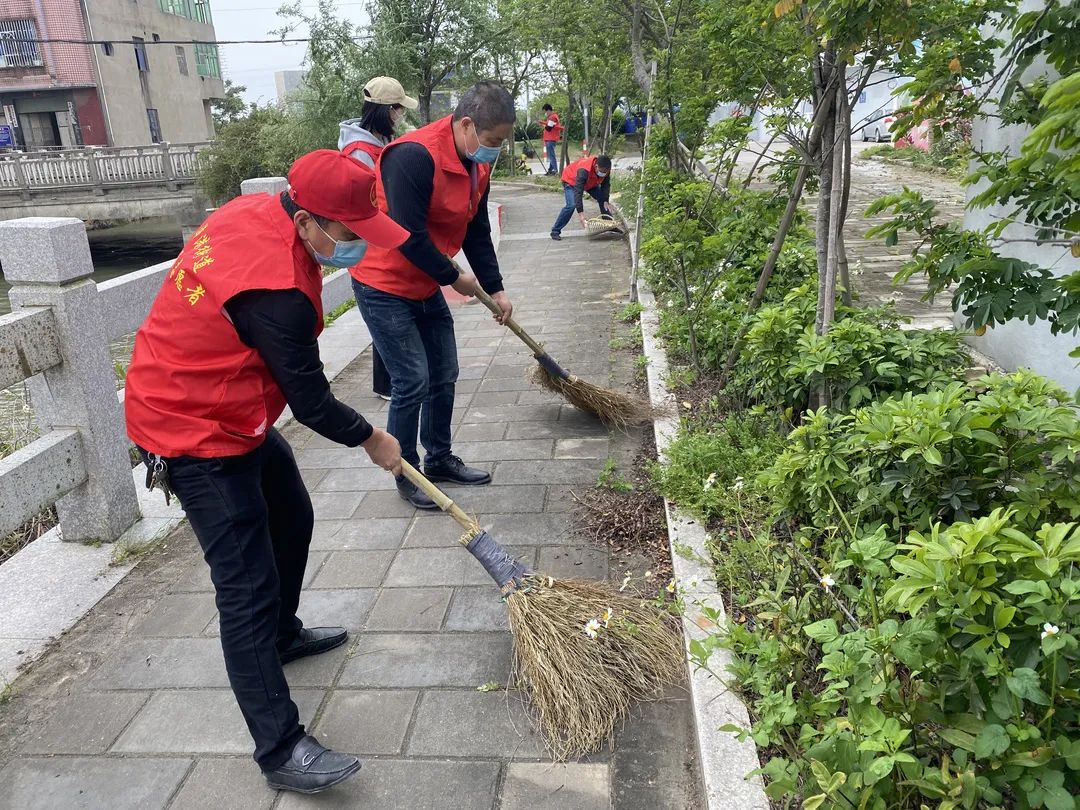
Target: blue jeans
<point>553,164</point>
<point>568,209</point>
<point>416,342</point>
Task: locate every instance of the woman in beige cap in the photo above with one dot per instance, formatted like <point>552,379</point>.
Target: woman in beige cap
<point>363,138</point>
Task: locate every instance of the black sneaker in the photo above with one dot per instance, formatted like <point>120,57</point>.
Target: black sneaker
<point>312,768</point>
<point>453,470</point>
<point>556,236</point>
<point>411,492</point>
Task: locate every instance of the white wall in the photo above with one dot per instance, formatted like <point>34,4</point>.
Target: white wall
<point>1017,343</point>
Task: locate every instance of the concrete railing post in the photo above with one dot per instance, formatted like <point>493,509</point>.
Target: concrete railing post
<point>47,261</point>
<point>168,168</point>
<point>264,185</point>
<point>95,171</point>
<point>20,176</point>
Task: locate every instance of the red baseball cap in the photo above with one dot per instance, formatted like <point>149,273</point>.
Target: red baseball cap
<point>333,185</point>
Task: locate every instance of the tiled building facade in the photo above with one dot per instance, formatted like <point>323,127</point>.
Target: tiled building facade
<point>106,72</point>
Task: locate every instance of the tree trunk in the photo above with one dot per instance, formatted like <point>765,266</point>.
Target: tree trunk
<point>424,110</point>
<point>565,149</point>
<point>845,277</point>
<point>821,223</point>
<point>689,314</point>
<point>644,77</point>
<point>835,229</point>
<point>605,121</point>
<point>767,270</point>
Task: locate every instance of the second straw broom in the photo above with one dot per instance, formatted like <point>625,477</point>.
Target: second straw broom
<point>613,408</point>
<point>583,652</point>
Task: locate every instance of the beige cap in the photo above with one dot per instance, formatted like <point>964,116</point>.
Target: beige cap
<point>384,90</point>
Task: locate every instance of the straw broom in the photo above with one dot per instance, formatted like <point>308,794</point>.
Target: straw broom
<point>583,652</point>
<point>613,408</point>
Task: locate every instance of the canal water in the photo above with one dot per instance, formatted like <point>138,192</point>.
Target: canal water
<point>121,249</point>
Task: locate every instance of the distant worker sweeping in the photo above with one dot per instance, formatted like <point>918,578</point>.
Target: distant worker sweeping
<point>589,175</point>
<point>230,340</point>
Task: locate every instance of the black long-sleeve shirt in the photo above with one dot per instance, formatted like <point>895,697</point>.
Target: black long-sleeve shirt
<point>580,179</point>
<point>408,177</point>
<point>280,326</point>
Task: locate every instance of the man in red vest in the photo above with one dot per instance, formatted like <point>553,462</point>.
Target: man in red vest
<point>434,182</point>
<point>589,175</point>
<point>552,135</point>
<point>230,340</point>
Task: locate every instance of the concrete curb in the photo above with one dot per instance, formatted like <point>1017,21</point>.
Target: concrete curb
<point>725,762</point>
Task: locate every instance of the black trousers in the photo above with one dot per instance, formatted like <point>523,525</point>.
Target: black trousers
<point>253,518</point>
<point>380,377</point>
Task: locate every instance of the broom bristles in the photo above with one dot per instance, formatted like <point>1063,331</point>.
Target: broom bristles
<point>580,687</point>
<point>613,408</point>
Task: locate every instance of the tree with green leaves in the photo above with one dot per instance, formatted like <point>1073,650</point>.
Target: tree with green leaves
<point>230,107</point>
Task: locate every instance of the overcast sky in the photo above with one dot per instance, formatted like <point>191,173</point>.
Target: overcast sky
<point>254,65</point>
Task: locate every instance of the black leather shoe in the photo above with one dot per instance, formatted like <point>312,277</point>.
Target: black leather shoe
<point>312,641</point>
<point>311,768</point>
<point>411,492</point>
<point>453,470</point>
<point>557,237</point>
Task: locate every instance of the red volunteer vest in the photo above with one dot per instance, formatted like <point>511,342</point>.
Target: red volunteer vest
<point>569,175</point>
<point>552,133</point>
<point>371,150</point>
<point>193,387</point>
<point>455,195</point>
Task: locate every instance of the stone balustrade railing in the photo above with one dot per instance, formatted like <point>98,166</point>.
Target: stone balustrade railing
<point>57,339</point>
<point>98,169</point>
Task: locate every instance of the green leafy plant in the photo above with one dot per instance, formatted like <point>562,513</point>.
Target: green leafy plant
<point>948,454</point>
<point>611,478</point>
<point>864,356</point>
<point>711,470</point>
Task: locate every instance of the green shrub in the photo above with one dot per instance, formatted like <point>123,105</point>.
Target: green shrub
<point>711,471</point>
<point>864,356</point>
<point>949,454</point>
<point>941,672</point>
<point>715,242</point>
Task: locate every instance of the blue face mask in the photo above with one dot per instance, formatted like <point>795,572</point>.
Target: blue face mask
<point>346,254</point>
<point>483,154</point>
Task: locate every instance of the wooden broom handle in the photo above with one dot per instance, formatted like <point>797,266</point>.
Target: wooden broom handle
<point>442,500</point>
<point>510,324</point>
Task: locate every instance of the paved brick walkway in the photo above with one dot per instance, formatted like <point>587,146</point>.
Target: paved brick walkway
<point>132,709</point>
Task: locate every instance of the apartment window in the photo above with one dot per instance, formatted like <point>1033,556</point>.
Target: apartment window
<point>155,125</point>
<point>198,10</point>
<point>206,60</point>
<point>18,47</point>
<point>181,60</point>
<point>140,54</point>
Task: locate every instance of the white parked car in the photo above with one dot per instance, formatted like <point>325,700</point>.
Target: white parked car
<point>877,125</point>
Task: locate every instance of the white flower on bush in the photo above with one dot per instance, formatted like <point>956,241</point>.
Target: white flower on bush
<point>710,482</point>
<point>827,582</point>
<point>1050,630</point>
<point>592,628</point>
<point>739,484</point>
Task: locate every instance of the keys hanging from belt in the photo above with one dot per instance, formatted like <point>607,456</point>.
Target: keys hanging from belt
<point>157,476</point>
